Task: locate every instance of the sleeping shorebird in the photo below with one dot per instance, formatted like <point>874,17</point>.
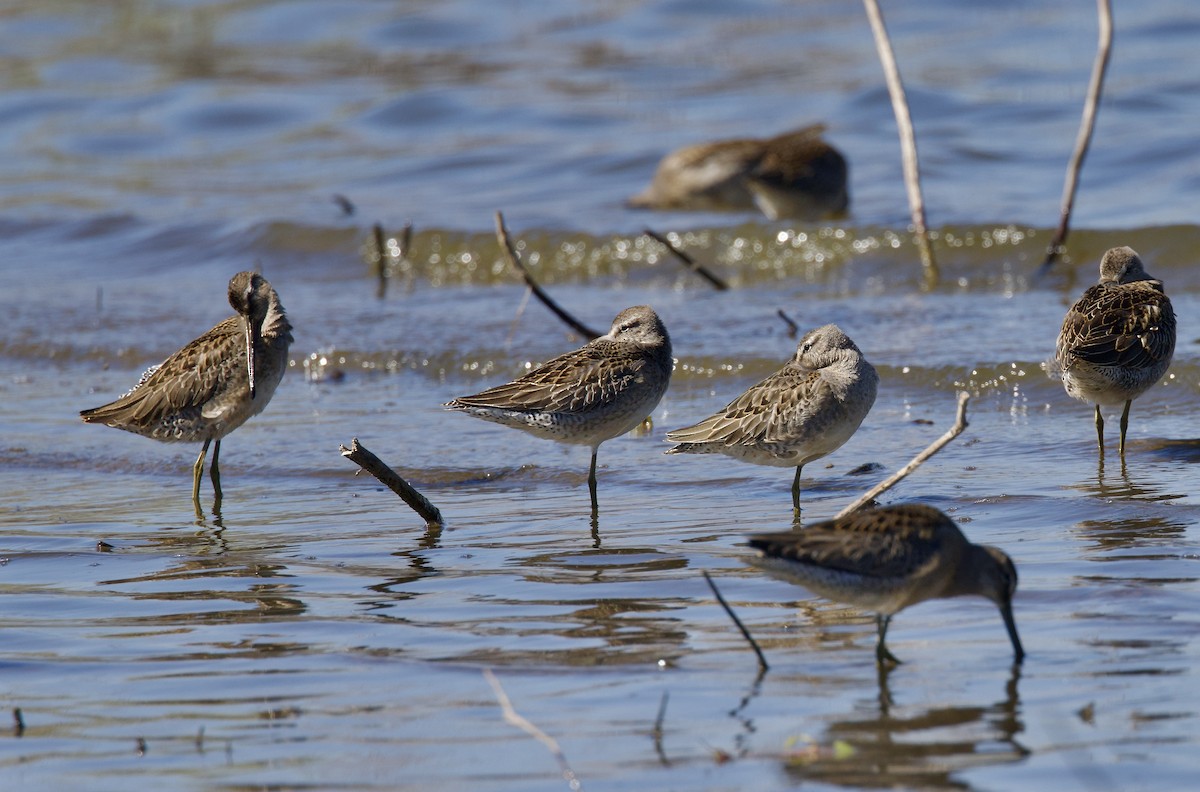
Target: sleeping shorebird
<point>1118,339</point>
<point>888,558</point>
<point>793,175</point>
<point>214,384</point>
<point>599,391</point>
<point>804,411</point>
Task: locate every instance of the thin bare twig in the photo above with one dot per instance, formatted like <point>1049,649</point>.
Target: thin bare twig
<point>514,261</point>
<point>359,455</point>
<point>381,260</point>
<point>793,328</point>
<point>18,722</point>
<point>688,261</point>
<point>514,718</point>
<point>960,423</point>
<point>1084,138</point>
<point>762,660</point>
<point>657,733</point>
<point>908,140</point>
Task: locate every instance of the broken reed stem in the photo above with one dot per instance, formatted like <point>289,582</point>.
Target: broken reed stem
<point>514,718</point>
<point>688,261</point>
<point>908,140</point>
<point>960,423</point>
<point>1084,139</point>
<point>360,456</point>
<point>514,261</point>
<point>793,328</point>
<point>381,260</point>
<point>762,661</point>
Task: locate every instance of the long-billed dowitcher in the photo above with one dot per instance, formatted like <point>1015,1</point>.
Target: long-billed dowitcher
<point>804,411</point>
<point>796,174</point>
<point>214,384</point>
<point>599,391</point>
<point>1118,339</point>
<point>888,558</point>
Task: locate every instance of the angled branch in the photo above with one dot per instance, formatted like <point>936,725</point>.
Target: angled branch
<point>762,660</point>
<point>514,261</point>
<point>960,423</point>
<point>1084,138</point>
<point>688,261</point>
<point>908,140</point>
<point>359,455</point>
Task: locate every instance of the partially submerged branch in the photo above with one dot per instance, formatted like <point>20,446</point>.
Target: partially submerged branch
<point>514,261</point>
<point>360,456</point>
<point>908,140</point>
<point>1084,139</point>
<point>793,328</point>
<point>688,261</point>
<point>762,660</point>
<point>960,423</point>
<point>514,718</point>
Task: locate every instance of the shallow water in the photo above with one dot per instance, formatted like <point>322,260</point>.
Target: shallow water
<point>314,634</point>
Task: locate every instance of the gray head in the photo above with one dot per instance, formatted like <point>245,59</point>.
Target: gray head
<point>825,345</point>
<point>1122,265</point>
<point>640,325</point>
<point>998,582</point>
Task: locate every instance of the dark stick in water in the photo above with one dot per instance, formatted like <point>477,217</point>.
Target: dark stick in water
<point>688,261</point>
<point>1084,139</point>
<point>514,261</point>
<point>381,260</point>
<point>360,456</point>
<point>762,661</point>
<point>793,328</point>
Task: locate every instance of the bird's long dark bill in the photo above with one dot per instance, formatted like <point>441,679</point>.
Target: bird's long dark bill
<point>251,343</point>
<point>1011,625</point>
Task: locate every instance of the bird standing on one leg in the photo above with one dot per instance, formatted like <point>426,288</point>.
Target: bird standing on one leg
<point>598,392</point>
<point>214,384</point>
<point>1118,339</point>
<point>804,411</point>
<point>888,558</point>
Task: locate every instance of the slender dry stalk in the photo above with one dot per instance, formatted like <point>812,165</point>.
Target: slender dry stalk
<point>381,260</point>
<point>1084,139</point>
<point>908,140</point>
<point>762,660</point>
<point>960,423</point>
<point>359,455</point>
<point>514,718</point>
<point>514,261</point>
<point>688,261</point>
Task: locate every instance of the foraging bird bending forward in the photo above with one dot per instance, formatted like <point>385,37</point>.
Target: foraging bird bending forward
<point>599,391</point>
<point>804,411</point>
<point>888,558</point>
<point>214,384</point>
<point>1118,339</point>
<point>793,175</point>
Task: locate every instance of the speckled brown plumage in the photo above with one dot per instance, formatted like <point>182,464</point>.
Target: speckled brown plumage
<point>215,383</point>
<point>1118,339</point>
<point>793,175</point>
<point>593,394</point>
<point>804,411</point>
<point>887,559</point>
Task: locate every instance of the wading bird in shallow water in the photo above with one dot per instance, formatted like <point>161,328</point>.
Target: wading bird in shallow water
<point>599,391</point>
<point>888,558</point>
<point>793,175</point>
<point>804,411</point>
<point>214,384</point>
<point>1118,339</point>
